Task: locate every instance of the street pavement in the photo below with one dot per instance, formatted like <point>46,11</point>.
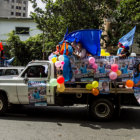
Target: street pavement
<point>69,123</point>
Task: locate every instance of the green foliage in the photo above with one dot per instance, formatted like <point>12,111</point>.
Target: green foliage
<point>24,51</point>
<point>74,14</point>
<point>16,48</point>
<point>124,18</point>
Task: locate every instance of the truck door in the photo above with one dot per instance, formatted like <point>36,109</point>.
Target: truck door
<point>31,87</point>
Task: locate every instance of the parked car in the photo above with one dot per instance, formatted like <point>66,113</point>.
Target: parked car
<point>5,71</point>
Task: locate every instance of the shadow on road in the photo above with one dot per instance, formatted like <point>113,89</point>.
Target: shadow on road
<point>129,118</point>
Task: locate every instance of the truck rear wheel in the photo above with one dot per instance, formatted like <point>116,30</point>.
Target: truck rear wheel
<point>101,109</point>
<point>3,104</point>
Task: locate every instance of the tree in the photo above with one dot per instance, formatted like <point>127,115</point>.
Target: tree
<point>15,48</point>
<point>124,18</point>
<point>24,51</point>
<point>73,14</point>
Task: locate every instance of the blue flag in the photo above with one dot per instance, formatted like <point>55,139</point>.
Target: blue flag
<point>127,40</point>
<point>90,40</point>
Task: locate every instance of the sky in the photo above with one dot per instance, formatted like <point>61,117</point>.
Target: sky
<point>40,4</point>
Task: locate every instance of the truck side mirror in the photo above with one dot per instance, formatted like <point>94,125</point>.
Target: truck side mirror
<point>26,78</point>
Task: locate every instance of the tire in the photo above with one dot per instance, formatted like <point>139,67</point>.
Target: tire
<point>101,110</point>
<point>3,104</point>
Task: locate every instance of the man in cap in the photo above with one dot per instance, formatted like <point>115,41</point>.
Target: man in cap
<point>125,51</point>
<point>120,48</point>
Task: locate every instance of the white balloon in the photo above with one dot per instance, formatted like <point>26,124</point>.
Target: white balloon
<point>61,58</point>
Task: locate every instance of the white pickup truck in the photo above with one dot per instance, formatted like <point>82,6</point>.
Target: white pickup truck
<point>31,88</point>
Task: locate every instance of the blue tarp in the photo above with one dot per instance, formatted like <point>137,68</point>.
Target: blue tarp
<point>90,40</point>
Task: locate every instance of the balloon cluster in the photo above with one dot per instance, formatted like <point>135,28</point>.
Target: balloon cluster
<point>104,53</point>
<point>115,72</point>
<point>93,87</point>
<point>59,82</point>
<point>58,64</point>
<point>92,62</point>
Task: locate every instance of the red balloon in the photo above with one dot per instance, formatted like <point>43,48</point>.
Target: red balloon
<point>60,80</point>
<point>114,67</point>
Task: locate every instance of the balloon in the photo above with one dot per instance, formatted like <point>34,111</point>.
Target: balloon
<point>95,84</point>
<point>58,64</point>
<point>53,82</point>
<point>50,57</point>
<point>102,52</point>
<point>91,60</point>
<point>62,63</point>
<point>114,67</point>
<point>107,54</point>
<point>112,75</point>
<point>61,58</point>
<point>94,66</point>
<point>119,73</point>
<point>60,80</point>
<point>129,83</point>
<point>61,87</point>
<point>95,91</point>
<point>54,59</point>
<point>89,86</point>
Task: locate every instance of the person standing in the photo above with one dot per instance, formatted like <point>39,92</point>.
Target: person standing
<point>124,52</point>
<point>120,48</point>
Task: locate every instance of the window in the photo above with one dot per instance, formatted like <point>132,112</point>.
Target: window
<point>18,14</point>
<point>36,71</point>
<point>22,30</point>
<point>13,1</point>
<point>24,2</point>
<point>24,15</point>
<point>24,8</point>
<point>12,13</point>
<point>1,72</point>
<point>12,7</point>
<point>18,7</point>
<point>11,72</point>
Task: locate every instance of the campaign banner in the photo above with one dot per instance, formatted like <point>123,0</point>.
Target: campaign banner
<point>37,93</point>
<point>104,85</point>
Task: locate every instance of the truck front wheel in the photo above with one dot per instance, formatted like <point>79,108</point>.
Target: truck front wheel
<point>3,104</point>
<point>101,109</point>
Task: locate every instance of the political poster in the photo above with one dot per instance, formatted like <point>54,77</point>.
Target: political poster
<point>104,85</point>
<point>37,93</point>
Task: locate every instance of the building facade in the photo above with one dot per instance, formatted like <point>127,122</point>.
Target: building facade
<point>24,27</point>
<point>14,8</point>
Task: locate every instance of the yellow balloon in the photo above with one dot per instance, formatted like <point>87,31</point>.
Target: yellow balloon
<point>61,87</point>
<point>95,84</point>
<point>107,54</point>
<point>54,59</point>
<point>89,86</point>
<point>119,73</point>
<point>102,51</point>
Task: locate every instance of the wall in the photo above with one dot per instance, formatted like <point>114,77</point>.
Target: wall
<point>7,25</point>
